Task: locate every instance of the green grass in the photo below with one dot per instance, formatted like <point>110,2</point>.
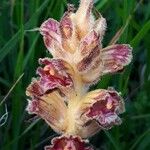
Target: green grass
<point>19,53</point>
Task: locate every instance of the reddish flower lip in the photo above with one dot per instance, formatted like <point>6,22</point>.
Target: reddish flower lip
<point>104,107</point>
<point>68,143</point>
<point>53,75</point>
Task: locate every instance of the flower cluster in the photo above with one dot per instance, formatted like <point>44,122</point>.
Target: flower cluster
<point>60,93</point>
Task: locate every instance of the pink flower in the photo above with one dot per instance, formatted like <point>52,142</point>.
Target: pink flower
<point>68,143</point>
<point>104,106</point>
<point>60,94</point>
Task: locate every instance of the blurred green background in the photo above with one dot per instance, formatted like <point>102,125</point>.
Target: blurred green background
<point>19,53</point>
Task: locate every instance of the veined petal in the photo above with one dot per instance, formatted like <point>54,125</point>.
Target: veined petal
<point>85,8</point>
<point>86,128</point>
<point>88,43</point>
<point>68,143</point>
<point>50,30</point>
<point>66,26</point>
<point>100,27</point>
<point>89,57</point>
<point>115,57</point>
<point>50,107</point>
<point>108,60</point>
<point>95,77</point>
<point>84,18</point>
<point>68,31</point>
<point>89,61</point>
<point>34,89</point>
<point>54,74</point>
<point>104,106</point>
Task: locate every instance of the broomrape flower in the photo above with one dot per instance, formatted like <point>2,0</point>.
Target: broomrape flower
<point>60,93</point>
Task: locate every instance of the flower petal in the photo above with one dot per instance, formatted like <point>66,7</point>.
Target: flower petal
<point>89,57</point>
<point>51,108</point>
<point>89,79</point>
<point>52,37</point>
<point>68,32</point>
<point>66,25</point>
<point>108,60</point>
<point>34,89</point>
<point>84,18</point>
<point>115,57</point>
<point>54,74</point>
<point>100,26</point>
<point>88,61</point>
<point>87,128</point>
<point>68,143</point>
<point>103,106</point>
<point>88,43</point>
<point>50,30</point>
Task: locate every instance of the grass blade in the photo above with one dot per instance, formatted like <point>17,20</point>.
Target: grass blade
<point>4,99</point>
<point>13,41</point>
<point>139,139</point>
<point>23,133</point>
<point>140,35</point>
<point>111,140</point>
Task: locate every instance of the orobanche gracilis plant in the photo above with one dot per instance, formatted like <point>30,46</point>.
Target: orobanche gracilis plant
<point>60,94</point>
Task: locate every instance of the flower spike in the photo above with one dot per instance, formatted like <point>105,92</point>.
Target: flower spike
<point>68,143</point>
<point>60,95</point>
